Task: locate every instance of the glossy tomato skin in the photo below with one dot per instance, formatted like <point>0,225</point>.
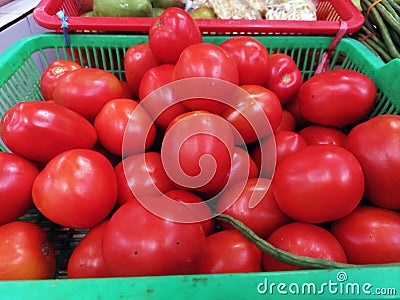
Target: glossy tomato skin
<point>369,235</point>
<point>284,77</point>
<point>40,130</point>
<point>319,134</point>
<point>87,90</point>
<point>251,57</point>
<point>206,60</point>
<point>86,260</point>
<point>249,116</point>
<point>141,175</point>
<point>153,79</point>
<point>263,218</point>
<point>228,251</point>
<point>201,144</point>
<point>204,211</point>
<point>136,242</point>
<point>124,118</point>
<point>53,72</point>
<point>288,121</point>
<point>16,176</point>
<point>287,143</point>
<point>376,144</point>
<point>171,32</point>
<point>76,189</point>
<point>137,60</point>
<point>320,183</point>
<point>25,252</point>
<point>337,98</point>
<point>303,239</point>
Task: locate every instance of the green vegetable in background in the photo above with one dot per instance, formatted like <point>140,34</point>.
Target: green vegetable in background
<point>122,8</point>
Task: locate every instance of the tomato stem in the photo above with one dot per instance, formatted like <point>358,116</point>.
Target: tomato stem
<point>287,257</point>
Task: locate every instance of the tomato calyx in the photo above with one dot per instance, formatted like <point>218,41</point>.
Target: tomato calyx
<point>287,78</point>
<point>58,70</point>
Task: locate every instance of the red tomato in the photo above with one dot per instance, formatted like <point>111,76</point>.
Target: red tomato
<point>287,143</point>
<point>228,251</point>
<point>126,90</point>
<point>318,134</point>
<point>303,239</point>
<point>25,252</point>
<point>137,60</point>
<point>86,260</point>
<point>243,167</point>
<point>171,32</point>
<point>197,151</point>
<point>376,144</point>
<point>206,60</point>
<point>239,200</point>
<point>40,130</point>
<point>121,119</point>
<point>337,97</point>
<point>320,183</point>
<point>87,90</point>
<point>294,109</point>
<point>76,189</point>
<point>141,175</point>
<point>284,77</point>
<point>16,176</point>
<point>203,210</point>
<point>288,122</point>
<point>250,116</point>
<point>136,242</point>
<point>53,72</point>
<point>164,98</point>
<point>369,235</point>
<point>264,155</point>
<point>251,57</point>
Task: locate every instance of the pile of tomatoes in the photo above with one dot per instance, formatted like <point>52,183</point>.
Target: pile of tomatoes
<point>146,175</point>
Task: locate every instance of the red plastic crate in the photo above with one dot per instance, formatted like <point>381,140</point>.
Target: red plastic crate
<point>330,14</point>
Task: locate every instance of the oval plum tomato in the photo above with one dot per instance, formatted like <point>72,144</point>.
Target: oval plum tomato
<point>206,60</point>
<point>136,242</point>
<point>197,151</point>
<point>171,32</point>
<point>228,251</point>
<point>76,189</point>
<point>87,90</point>
<point>40,130</point>
<point>137,60</point>
<point>287,143</point>
<point>376,144</point>
<point>337,98</point>
<point>263,218</point>
<point>369,235</point>
<point>203,210</point>
<point>16,176</point>
<point>303,239</point>
<point>141,175</point>
<point>53,72</point>
<point>155,103</point>
<point>251,57</point>
<point>319,134</point>
<point>288,122</point>
<point>252,114</point>
<point>284,77</point>
<point>320,183</point>
<point>86,260</point>
<point>25,252</point>
<point>121,119</point>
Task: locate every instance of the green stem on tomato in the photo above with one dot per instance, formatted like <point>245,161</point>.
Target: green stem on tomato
<point>287,257</point>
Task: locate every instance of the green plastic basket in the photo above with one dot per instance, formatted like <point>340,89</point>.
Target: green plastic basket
<point>20,69</point>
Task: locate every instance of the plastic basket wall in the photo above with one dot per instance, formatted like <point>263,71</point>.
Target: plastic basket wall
<point>20,69</point>
<point>329,15</point>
